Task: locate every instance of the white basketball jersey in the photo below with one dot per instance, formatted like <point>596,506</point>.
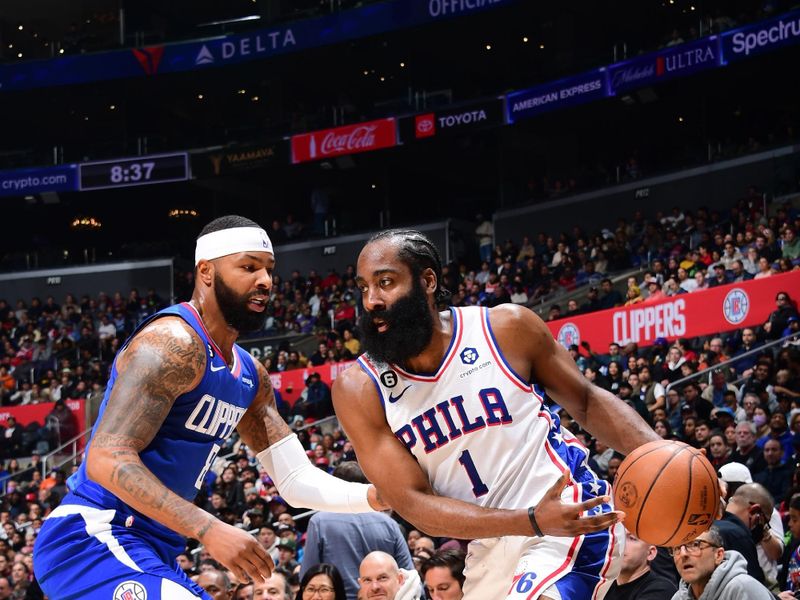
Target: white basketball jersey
<point>478,429</point>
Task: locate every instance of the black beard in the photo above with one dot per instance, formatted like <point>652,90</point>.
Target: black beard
<point>410,328</point>
<point>234,308</point>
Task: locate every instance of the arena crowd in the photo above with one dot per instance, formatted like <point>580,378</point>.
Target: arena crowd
<point>744,410</point>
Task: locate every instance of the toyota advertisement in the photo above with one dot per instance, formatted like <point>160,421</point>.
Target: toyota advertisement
<point>467,117</point>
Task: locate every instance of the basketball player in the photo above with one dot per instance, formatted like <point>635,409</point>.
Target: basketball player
<point>178,388</point>
<point>447,417</point>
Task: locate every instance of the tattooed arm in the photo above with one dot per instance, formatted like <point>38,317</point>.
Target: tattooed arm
<point>262,425</point>
<point>299,482</point>
<point>163,361</point>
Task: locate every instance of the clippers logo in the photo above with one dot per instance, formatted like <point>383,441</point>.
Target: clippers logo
<point>149,58</point>
<point>424,125</point>
<point>736,306</point>
<point>130,590</point>
<point>204,57</point>
<point>568,335</point>
<point>469,356</point>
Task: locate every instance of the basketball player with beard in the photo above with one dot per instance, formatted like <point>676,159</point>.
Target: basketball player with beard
<point>447,416</point>
<point>178,388</point>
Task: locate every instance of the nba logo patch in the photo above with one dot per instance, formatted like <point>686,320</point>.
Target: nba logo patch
<point>130,590</point>
<point>568,335</point>
<point>736,306</point>
<point>469,356</point>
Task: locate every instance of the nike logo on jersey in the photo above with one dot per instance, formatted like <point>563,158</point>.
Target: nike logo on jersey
<point>219,368</point>
<point>393,399</point>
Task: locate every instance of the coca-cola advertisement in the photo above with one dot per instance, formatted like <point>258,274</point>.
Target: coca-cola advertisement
<point>350,139</point>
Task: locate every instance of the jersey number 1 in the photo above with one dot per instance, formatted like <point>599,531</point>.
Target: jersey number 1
<point>478,487</point>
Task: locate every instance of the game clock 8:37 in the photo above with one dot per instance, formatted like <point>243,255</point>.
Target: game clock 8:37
<point>143,170</point>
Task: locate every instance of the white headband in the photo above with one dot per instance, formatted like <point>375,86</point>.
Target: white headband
<point>230,241</point>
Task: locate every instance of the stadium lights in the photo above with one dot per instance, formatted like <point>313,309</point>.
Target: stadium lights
<point>255,99</point>
<point>488,46</point>
<point>20,28</point>
<point>402,65</point>
<point>182,213</point>
<point>525,40</point>
<point>61,51</point>
<point>86,223</point>
<point>19,54</point>
<point>112,107</point>
<point>199,96</point>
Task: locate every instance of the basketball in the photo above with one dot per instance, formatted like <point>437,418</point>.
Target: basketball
<point>669,492</point>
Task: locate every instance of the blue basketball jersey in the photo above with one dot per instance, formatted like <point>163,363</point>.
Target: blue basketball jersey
<point>195,429</point>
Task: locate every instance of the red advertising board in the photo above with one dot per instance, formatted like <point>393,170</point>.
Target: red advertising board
<point>350,139</point>
<point>291,383</point>
<point>38,412</point>
<point>706,312</point>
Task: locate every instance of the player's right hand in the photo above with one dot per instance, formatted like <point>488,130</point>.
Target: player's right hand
<point>559,518</point>
<point>239,551</point>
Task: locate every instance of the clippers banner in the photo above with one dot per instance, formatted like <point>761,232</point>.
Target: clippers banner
<point>725,308</point>
<point>38,413</point>
<point>292,383</point>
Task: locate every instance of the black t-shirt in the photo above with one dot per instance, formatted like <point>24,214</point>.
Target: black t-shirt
<point>647,587</point>
<point>736,536</point>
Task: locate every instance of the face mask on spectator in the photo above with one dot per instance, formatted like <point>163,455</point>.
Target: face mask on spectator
<point>759,420</point>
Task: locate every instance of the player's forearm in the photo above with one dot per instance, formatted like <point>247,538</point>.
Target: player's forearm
<point>121,471</point>
<point>614,423</point>
<point>441,516</point>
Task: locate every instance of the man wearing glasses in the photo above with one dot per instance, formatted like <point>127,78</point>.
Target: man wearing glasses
<point>707,570</point>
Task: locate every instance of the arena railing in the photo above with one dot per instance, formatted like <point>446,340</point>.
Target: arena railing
<point>735,359</point>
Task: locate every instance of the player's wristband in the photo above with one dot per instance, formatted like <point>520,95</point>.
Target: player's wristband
<point>534,524</point>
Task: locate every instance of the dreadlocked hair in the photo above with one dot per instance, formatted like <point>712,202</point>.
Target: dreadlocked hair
<point>419,253</point>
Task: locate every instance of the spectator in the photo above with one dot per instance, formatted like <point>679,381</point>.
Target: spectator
<point>779,317</point>
<point>380,577</point>
<point>611,297</point>
<point>215,583</point>
<point>346,538</point>
<point>743,524</point>
<point>287,551</point>
<point>747,453</point>
<point>274,588</point>
<point>636,581</point>
<point>322,580</point>
<point>443,575</point>
<point>709,570</point>
<point>790,246</point>
<point>776,476</point>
